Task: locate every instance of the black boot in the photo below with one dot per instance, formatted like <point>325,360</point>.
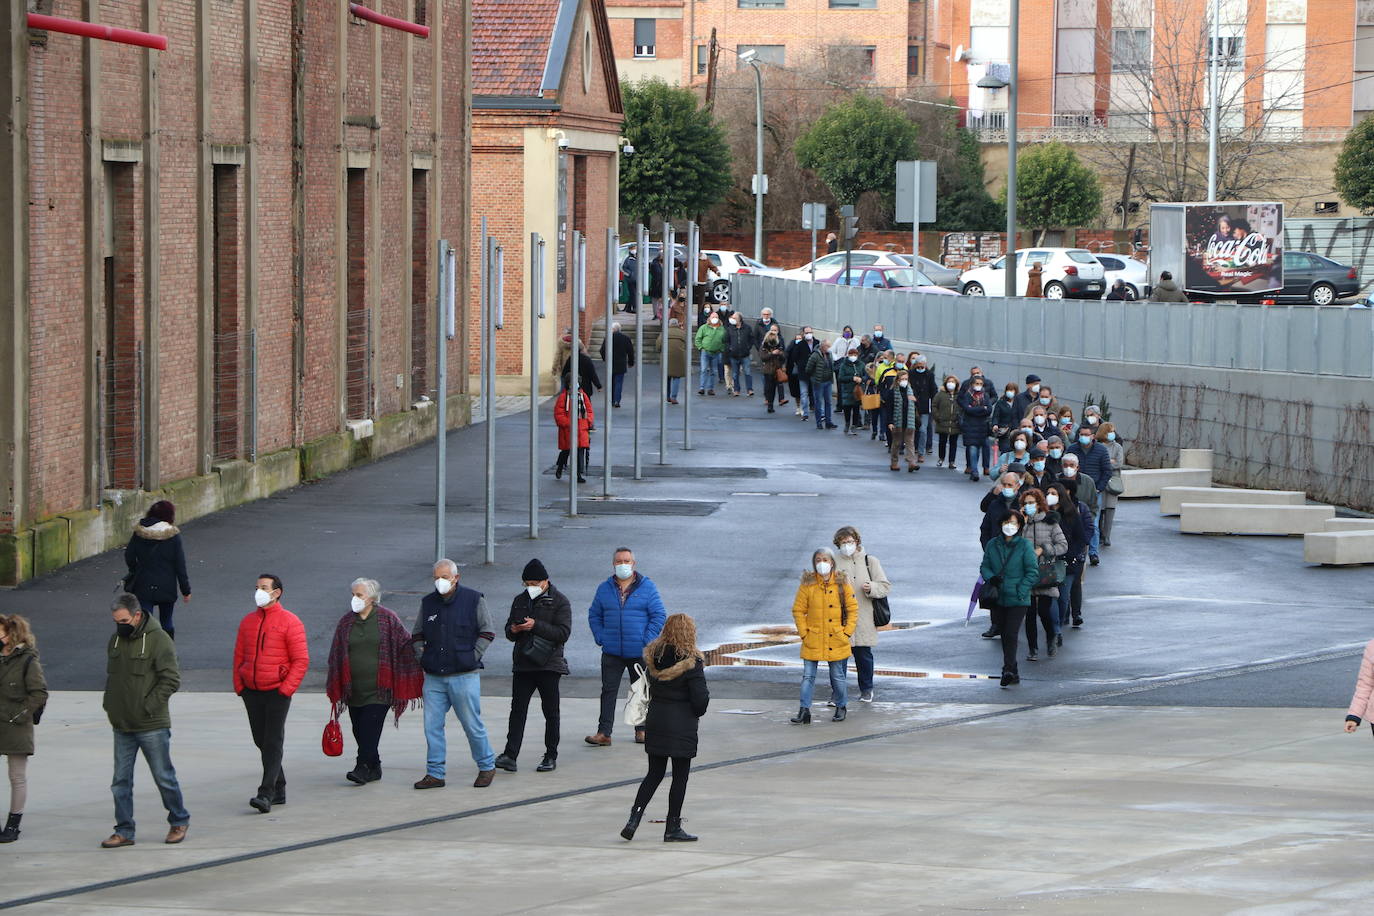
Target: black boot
<point>583,459</point>
<point>374,771</point>
<point>992,632</point>
<point>840,713</point>
<point>803,717</point>
<point>673,832</point>
<point>358,775</point>
<point>628,831</point>
<point>11,831</point>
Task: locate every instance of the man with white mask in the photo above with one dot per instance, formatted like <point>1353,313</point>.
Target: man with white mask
<point>626,615</point>
<point>539,624</point>
<point>455,629</point>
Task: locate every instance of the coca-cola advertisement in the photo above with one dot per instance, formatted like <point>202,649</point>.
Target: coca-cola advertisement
<point>1234,248</point>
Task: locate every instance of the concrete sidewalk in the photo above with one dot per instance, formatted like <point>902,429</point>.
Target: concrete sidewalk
<point>904,808</point>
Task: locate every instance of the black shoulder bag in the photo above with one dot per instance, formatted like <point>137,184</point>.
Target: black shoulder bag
<point>882,611</point>
<point>991,591</point>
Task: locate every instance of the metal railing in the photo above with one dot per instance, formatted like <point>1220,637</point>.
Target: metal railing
<point>1303,339</point>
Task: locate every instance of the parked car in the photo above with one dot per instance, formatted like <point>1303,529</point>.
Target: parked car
<point>904,278</point>
<point>939,274</point>
<point>1134,273</point>
<point>827,265</point>
<point>730,263</point>
<point>1310,277</point>
<point>1068,273</point>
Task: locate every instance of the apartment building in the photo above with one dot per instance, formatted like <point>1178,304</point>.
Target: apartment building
<point>883,42</point>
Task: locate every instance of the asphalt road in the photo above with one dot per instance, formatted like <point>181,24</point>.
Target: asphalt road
<point>725,529</point>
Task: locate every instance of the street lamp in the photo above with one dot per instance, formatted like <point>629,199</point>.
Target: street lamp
<point>749,57</point>
<point>992,81</point>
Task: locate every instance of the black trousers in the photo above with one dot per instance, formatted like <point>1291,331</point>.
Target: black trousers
<point>794,386</point>
<point>677,792</point>
<point>523,686</point>
<point>853,416</point>
<point>164,614</point>
<point>770,388</point>
<point>1008,620</point>
<point>948,451</point>
<point>612,668</point>
<point>267,711</point>
<point>1045,609</point>
<point>367,731</point>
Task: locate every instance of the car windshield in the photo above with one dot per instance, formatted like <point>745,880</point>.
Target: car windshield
<point>1081,256</point>
<point>900,259</point>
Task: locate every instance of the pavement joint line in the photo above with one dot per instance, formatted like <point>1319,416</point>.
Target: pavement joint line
<point>1232,671</point>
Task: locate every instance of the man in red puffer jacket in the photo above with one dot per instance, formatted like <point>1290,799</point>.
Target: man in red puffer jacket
<point>270,660</point>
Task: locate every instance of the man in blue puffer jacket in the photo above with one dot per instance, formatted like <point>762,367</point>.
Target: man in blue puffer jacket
<point>626,615</point>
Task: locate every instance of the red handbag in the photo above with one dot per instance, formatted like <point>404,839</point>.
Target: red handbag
<point>331,742</point>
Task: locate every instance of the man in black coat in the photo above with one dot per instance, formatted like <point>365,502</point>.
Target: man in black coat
<point>1026,396</point>
<point>656,284</point>
<point>798,355</point>
<point>924,387</point>
<point>622,360</point>
<point>586,372</point>
<point>539,625</point>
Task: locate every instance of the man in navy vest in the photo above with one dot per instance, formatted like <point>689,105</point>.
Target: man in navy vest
<point>455,629</point>
<point>626,615</point>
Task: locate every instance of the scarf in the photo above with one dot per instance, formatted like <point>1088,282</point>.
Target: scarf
<point>400,682</point>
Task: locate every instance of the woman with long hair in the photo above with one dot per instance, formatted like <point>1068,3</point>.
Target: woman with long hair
<point>826,615</point>
<point>23,694</point>
<point>677,699</point>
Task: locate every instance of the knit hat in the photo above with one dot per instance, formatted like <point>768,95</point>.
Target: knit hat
<point>534,572</point>
<point>163,511</point>
<point>1032,379</point>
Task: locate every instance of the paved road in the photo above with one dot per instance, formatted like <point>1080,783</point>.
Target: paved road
<point>725,529</point>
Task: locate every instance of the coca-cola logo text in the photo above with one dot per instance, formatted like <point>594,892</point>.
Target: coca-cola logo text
<point>1252,251</point>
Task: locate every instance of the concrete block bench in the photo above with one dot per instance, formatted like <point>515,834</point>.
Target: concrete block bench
<point>1172,498</point>
<point>1350,524</point>
<point>1339,548</point>
<point>1146,483</point>
<point>1224,518</point>
<point>1195,458</point>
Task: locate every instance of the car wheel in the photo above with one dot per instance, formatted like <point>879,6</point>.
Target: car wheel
<point>720,291</point>
<point>973,289</point>
<point>1323,294</point>
<point>1054,290</point>
<point>1131,293</point>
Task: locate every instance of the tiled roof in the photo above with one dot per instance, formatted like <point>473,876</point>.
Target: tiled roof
<point>510,45</point>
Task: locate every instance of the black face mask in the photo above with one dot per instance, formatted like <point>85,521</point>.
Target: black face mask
<point>125,629</point>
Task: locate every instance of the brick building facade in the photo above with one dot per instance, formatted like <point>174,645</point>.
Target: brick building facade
<point>546,121</point>
<point>216,274</point>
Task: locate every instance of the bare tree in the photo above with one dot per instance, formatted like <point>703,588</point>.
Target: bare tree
<point>1157,101</point>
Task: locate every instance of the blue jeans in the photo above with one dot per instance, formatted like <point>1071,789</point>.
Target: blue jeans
<point>673,383</point>
<point>617,386</point>
<point>463,694</point>
<point>1096,540</point>
<point>929,422</point>
<point>863,666</point>
<point>973,451</point>
<point>156,746</point>
<point>839,690</point>
<point>820,402</point>
<point>740,369</point>
<point>1065,600</point>
<point>711,366</point>
<point>164,613</point>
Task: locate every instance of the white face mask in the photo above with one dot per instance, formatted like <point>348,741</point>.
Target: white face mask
<point>1068,471</point>
<point>977,387</point>
<point>848,548</point>
<point>734,322</point>
<point>810,336</point>
<point>1011,395</point>
<point>443,586</point>
<point>624,570</point>
<point>853,358</point>
<point>1052,498</point>
<point>358,604</point>
<point>1035,389</point>
<point>533,591</point>
<point>904,383</point>
<point>715,319</point>
<point>1009,529</point>
<point>262,598</point>
<point>823,568</point>
<point>950,385</point>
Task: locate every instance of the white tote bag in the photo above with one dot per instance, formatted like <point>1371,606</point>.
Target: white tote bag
<point>637,703</point>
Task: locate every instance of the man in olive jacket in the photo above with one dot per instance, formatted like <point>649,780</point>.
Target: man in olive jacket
<point>141,662</point>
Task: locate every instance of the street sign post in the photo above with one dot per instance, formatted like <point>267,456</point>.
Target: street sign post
<point>813,218</point>
<point>915,198</point>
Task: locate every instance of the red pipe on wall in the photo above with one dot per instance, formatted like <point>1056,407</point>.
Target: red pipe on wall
<point>93,30</point>
<point>391,22</point>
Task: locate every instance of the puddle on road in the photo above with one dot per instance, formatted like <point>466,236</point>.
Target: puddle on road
<point>731,654</point>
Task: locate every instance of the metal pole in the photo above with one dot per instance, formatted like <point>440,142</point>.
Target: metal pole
<point>665,288</point>
<point>641,284</point>
<point>758,162</point>
<point>692,242</point>
<point>915,212</point>
<point>1014,39</point>
<point>536,313</point>
<point>441,380</point>
<point>1213,114</point>
<point>574,388</point>
<point>612,276</point>
<point>495,295</point>
<point>813,245</point>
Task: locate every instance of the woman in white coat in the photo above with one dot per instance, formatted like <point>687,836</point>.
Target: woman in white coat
<point>866,575</point>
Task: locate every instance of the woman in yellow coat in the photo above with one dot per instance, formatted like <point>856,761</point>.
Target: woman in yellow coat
<point>826,615</point>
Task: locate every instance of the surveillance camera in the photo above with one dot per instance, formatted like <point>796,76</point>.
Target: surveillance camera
<point>562,142</point>
<point>628,149</point>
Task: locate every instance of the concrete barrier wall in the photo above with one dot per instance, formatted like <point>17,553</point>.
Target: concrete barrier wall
<point>1280,410</point>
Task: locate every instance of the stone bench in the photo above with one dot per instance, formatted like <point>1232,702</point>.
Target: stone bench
<point>1228,518</point>
<point>1147,483</point>
<point>1339,548</point>
<point>1350,524</point>
<point>1172,498</point>
<point>1195,458</point>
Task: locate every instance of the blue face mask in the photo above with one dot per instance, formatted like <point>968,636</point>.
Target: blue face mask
<point>1111,437</point>
<point>1085,440</point>
<point>1056,453</point>
<point>1038,465</point>
<point>1008,492</point>
<point>1030,511</point>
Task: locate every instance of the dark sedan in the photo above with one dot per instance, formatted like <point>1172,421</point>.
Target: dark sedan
<point>1309,277</point>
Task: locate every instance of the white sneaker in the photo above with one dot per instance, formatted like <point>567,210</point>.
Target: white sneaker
<point>939,464</point>
<point>866,697</point>
<point>798,411</point>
